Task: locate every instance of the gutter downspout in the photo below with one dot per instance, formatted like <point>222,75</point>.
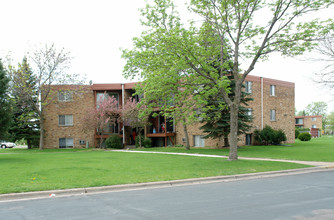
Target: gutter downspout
<point>261,78</point>
<point>123,109</point>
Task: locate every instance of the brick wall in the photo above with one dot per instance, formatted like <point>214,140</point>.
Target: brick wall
<point>283,102</point>
<point>83,99</point>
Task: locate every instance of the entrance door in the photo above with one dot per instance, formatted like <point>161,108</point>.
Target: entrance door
<point>248,139</point>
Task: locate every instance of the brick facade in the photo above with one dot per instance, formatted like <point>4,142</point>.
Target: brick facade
<point>82,100</point>
<point>281,102</point>
<point>313,121</point>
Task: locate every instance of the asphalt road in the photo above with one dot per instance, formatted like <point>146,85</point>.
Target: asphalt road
<point>303,196</point>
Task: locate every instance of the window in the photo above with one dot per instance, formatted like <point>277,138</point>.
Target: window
<point>314,119</point>
<point>199,141</point>
<point>65,120</point>
<point>299,121</point>
<point>249,111</point>
<point>272,115</point>
<point>314,126</point>
<point>100,96</point>
<point>272,90</point>
<point>65,142</point>
<point>248,86</point>
<point>65,96</point>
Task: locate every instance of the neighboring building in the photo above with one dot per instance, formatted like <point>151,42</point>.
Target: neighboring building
<point>273,105</point>
<point>312,122</point>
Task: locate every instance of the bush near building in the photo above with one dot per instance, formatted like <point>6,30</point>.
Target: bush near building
<point>114,141</point>
<point>268,135</point>
<point>304,136</point>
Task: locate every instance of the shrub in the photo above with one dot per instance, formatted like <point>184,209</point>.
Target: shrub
<point>279,136</point>
<point>304,136</point>
<point>269,136</point>
<point>147,143</point>
<point>114,141</point>
<point>297,133</point>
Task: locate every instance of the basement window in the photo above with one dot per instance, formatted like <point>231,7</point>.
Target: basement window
<point>199,141</point>
<point>65,142</point>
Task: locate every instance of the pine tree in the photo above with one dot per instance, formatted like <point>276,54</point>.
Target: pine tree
<point>217,120</point>
<point>25,120</point>
<point>5,107</point>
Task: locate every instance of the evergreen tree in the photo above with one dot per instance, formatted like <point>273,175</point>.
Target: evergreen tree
<point>5,107</point>
<point>217,118</point>
<point>25,120</point>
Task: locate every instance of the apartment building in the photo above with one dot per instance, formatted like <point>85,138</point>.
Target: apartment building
<point>273,105</point>
<point>313,121</point>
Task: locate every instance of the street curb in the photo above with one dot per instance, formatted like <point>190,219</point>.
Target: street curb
<point>151,185</point>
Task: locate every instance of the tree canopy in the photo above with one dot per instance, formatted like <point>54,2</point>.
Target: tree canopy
<point>248,30</point>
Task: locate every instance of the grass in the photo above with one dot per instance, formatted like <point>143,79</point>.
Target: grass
<point>318,149</point>
<point>32,170</point>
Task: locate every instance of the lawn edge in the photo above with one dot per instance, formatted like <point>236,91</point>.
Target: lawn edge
<point>150,185</point>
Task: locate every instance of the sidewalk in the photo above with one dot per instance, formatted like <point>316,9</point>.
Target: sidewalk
<point>311,163</point>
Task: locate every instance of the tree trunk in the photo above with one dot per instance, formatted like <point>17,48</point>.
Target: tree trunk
<point>234,132</point>
<point>29,143</point>
<point>187,136</point>
<point>41,137</point>
<point>226,144</point>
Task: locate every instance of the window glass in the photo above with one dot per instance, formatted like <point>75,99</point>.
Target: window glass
<point>314,119</point>
<point>65,96</point>
<point>272,90</point>
<point>100,96</point>
<point>272,115</point>
<point>199,141</point>
<point>248,86</point>
<point>66,143</point>
<point>249,111</point>
<point>65,120</point>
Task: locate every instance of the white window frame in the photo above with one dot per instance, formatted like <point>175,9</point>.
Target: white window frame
<point>65,120</point>
<point>248,86</point>
<point>199,141</point>
<point>68,143</point>
<point>65,96</point>
<point>272,115</point>
<point>272,90</point>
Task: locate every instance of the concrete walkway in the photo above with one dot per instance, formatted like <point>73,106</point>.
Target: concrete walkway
<point>311,163</point>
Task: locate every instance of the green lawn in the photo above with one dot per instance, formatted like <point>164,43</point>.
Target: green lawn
<point>318,149</point>
<point>32,170</point>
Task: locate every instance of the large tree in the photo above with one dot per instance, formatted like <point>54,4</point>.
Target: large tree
<point>25,121</point>
<point>248,29</point>
<point>326,51</point>
<point>217,120</point>
<point>5,107</point>
<point>49,67</point>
